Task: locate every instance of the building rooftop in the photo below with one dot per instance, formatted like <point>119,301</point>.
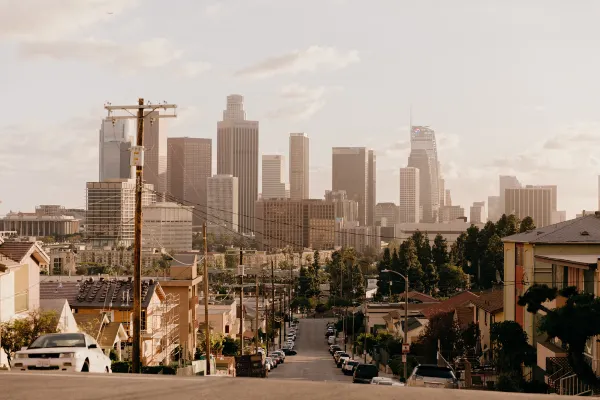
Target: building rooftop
<point>16,251</point>
<point>491,300</point>
<point>450,304</point>
<point>579,230</point>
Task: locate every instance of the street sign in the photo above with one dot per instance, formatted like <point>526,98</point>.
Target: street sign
<point>403,358</point>
<point>405,348</point>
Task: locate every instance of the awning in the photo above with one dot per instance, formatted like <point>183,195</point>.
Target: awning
<point>581,261</point>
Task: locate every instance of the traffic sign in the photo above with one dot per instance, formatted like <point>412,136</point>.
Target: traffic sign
<point>405,348</point>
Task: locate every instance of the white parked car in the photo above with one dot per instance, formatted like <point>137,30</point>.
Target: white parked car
<point>72,352</point>
<point>380,380</point>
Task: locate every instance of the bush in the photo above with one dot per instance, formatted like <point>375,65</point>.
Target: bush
<point>159,369</point>
<point>507,383</point>
<point>121,367</point>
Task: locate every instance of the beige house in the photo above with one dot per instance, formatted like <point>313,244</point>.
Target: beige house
<point>64,316</point>
<point>221,317</point>
<point>560,255</point>
<point>488,308</point>
<point>110,335</point>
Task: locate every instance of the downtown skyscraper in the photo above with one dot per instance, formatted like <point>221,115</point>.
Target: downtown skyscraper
<point>273,184</point>
<point>353,170</point>
<point>155,155</point>
<point>299,166</point>
<point>423,156</point>
<point>237,155</point>
<point>115,144</point>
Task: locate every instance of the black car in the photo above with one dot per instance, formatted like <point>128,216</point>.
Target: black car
<point>289,352</point>
<point>364,373</point>
<point>334,348</point>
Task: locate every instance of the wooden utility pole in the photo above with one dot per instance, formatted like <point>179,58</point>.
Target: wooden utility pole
<point>282,316</point>
<point>273,301</point>
<point>137,160</point>
<point>256,318</point>
<point>241,302</point>
<point>207,329</point>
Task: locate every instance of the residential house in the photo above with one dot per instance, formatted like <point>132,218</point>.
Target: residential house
<point>114,297</point>
<point>221,317</point>
<point>394,324</point>
<point>560,255</point>
<point>488,308</point>
<point>111,336</point>
<point>450,304</point>
<point>378,313</point>
<point>183,286</point>
<point>64,316</point>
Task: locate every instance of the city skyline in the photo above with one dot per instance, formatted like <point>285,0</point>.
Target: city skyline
<point>327,84</point>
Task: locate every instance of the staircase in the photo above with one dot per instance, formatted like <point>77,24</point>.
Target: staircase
<point>563,381</point>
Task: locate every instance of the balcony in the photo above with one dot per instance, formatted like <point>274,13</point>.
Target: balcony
<point>22,302</point>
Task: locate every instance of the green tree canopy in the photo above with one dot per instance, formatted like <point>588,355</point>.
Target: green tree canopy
<point>20,332</point>
<point>452,279</point>
<point>511,349</point>
<point>526,225</point>
<point>439,251</point>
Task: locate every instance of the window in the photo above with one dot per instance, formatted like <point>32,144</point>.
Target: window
<point>588,281</point>
<point>143,323</point>
<point>226,328</point>
<point>565,280</point>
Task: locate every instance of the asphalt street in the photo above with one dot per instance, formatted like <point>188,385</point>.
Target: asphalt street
<point>313,362</point>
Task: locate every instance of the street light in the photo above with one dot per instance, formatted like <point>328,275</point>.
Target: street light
<point>405,318</point>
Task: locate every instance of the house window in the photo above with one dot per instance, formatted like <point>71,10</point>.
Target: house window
<point>565,280</point>
<point>143,323</point>
<point>226,328</point>
<point>588,281</point>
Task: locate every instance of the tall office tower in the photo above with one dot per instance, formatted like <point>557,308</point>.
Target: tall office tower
<point>410,193</point>
<point>115,144</point>
<point>155,154</point>
<point>301,224</point>
<point>371,188</point>
<point>273,184</point>
<point>448,200</point>
<point>507,182</point>
<point>189,165</point>
<point>237,155</point>
<point>110,211</point>
<point>350,172</point>
<point>477,212</point>
<point>223,201</point>
<point>299,166</point>
<point>167,226</point>
<point>386,214</point>
<point>494,210</point>
<point>451,213</point>
<point>530,202</point>
<point>424,156</point>
<point>346,210</point>
<point>442,189</point>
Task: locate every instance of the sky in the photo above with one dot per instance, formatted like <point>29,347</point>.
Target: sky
<point>510,86</point>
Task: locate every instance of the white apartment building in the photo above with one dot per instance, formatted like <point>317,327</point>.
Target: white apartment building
<point>167,226</point>
<point>273,181</point>
<point>409,195</point>
<point>223,201</point>
<point>110,211</point>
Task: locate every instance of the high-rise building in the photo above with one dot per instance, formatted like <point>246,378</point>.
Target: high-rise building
<point>507,182</point>
<point>350,172</point>
<point>442,189</point>
<point>273,183</point>
<point>424,156</point>
<point>494,210</point>
<point>167,226</point>
<point>410,192</point>
<point>477,212</point>
<point>299,224</point>
<point>237,155</point>
<point>346,210</point>
<point>448,200</point>
<point>110,211</point>
<point>299,166</point>
<point>155,155</point>
<point>115,144</point>
<point>223,201</point>
<point>451,213</point>
<point>386,214</point>
<point>189,166</point>
<point>530,202</point>
<point>371,188</point>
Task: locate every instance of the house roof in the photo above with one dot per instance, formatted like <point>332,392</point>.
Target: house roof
<point>112,333</point>
<point>90,323</point>
<point>99,294</point>
<point>576,261</point>
<point>56,305</point>
<point>464,316</point>
<point>491,300</point>
<point>449,304</point>
<point>422,297</point>
<point>579,230</point>
<point>16,251</point>
<point>413,323</point>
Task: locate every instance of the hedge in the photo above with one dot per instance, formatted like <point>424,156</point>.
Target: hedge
<point>125,367</point>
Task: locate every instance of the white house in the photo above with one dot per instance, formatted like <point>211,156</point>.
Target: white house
<point>64,316</point>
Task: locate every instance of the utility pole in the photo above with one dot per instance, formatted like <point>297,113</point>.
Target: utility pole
<point>273,303</point>
<point>290,291</point>
<point>137,160</point>
<point>207,331</point>
<point>241,302</point>
<point>282,314</point>
<point>265,309</point>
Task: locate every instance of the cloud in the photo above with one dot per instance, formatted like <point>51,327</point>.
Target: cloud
<point>214,10</point>
<point>581,135</point>
<point>152,53</point>
<point>310,60</point>
<point>51,19</point>
<point>194,68</point>
<point>299,102</point>
<point>447,141</point>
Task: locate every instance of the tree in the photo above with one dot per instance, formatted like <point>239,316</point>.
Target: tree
<point>457,251</point>
<point>507,225</point>
<point>304,282</point>
<point>439,251</point>
<point>230,261</point>
<point>472,251</point>
<point>383,281</point>
<point>470,336</point>
<point>492,264</point>
<point>410,265</point>
<point>511,349</point>
<point>452,280</point>
<point>573,324</point>
<point>422,247</point>
<point>216,342</point>
<point>430,279</point>
<point>526,225</point>
<point>21,332</point>
<point>231,346</point>
<point>444,328</point>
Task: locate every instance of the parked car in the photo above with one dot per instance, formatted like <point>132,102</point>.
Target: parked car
<point>335,353</point>
<point>434,376</point>
<point>382,380</point>
<point>364,373</point>
<point>72,352</point>
<point>269,363</point>
<point>340,354</point>
<point>333,348</point>
<point>281,354</point>
<point>342,359</point>
<point>276,358</point>
<point>289,352</point>
<point>348,367</point>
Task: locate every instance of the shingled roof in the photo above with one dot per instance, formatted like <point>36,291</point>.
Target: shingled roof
<point>491,301</point>
<point>579,230</point>
<point>450,304</point>
<point>100,293</point>
<point>16,251</point>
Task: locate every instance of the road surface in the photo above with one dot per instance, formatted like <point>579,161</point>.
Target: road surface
<point>313,362</point>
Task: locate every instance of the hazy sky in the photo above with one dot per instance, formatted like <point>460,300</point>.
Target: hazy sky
<point>510,87</point>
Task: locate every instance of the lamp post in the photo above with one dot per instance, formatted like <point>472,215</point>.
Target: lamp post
<point>405,318</point>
